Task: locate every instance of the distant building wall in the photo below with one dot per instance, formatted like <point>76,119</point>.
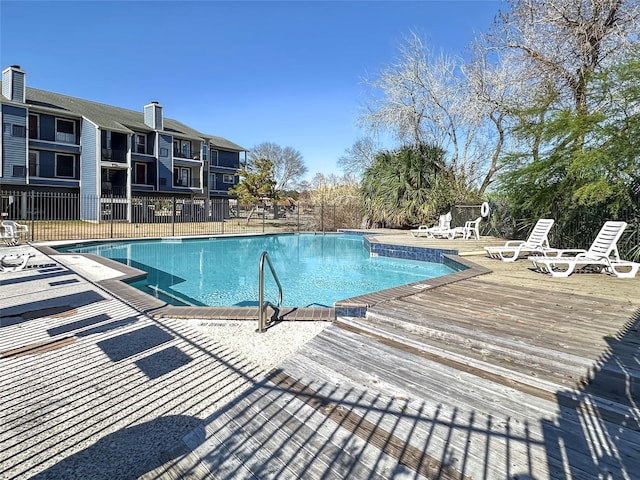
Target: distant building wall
<point>14,144</point>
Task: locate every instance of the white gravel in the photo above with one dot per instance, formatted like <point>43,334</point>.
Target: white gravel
<point>267,349</point>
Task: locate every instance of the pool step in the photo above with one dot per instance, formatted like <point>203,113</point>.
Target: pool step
<point>512,361</point>
<point>245,313</point>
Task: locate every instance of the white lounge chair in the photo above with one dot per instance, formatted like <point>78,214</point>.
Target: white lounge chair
<point>443,227</point>
<point>19,229</point>
<point>472,228</point>
<point>603,255</point>
<point>8,235</point>
<point>14,262</point>
<point>536,243</point>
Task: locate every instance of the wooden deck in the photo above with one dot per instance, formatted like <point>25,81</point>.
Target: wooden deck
<point>510,374</point>
<point>475,379</point>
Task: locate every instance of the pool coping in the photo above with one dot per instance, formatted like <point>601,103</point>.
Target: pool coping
<point>351,307</point>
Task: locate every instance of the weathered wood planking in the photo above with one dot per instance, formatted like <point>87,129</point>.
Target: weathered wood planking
<point>439,430</point>
<point>276,433</point>
<point>615,411</point>
<point>506,351</point>
<point>351,363</point>
<point>534,321</point>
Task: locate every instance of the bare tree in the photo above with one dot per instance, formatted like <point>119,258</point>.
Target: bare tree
<point>418,98</point>
<point>565,42</point>
<point>288,164</point>
<point>426,99</point>
<point>359,157</point>
<point>496,89</point>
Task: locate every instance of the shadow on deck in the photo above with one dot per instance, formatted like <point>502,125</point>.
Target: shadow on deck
<point>510,388</point>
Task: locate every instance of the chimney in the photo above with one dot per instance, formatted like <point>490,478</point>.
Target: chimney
<point>14,84</point>
<point>153,115</point>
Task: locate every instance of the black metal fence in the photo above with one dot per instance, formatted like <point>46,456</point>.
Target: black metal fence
<point>59,216</point>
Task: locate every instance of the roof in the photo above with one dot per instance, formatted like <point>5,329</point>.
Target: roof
<point>112,118</point>
<point>224,143</point>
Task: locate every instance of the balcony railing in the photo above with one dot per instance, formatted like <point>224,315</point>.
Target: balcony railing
<point>51,135</point>
<point>113,190</point>
<point>111,155</point>
<point>192,184</point>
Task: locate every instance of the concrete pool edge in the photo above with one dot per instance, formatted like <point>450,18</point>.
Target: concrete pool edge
<point>119,287</point>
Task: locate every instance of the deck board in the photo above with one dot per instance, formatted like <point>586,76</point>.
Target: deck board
<point>565,341</point>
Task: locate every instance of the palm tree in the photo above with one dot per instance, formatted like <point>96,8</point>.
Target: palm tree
<point>408,187</point>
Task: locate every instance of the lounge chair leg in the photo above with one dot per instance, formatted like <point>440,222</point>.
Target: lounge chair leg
<point>631,273</point>
<point>509,259</point>
<point>561,273</point>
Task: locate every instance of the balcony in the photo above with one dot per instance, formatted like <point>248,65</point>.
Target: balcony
<point>186,154</point>
<point>52,135</point>
<point>112,155</point>
<point>191,183</point>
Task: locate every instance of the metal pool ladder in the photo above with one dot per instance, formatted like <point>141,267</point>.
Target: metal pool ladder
<point>262,305</point>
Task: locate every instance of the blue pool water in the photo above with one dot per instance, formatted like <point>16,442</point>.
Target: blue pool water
<point>314,270</point>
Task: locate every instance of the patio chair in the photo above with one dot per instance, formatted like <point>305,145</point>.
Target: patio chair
<point>443,227</point>
<point>14,262</point>
<point>19,229</point>
<point>602,255</point>
<point>536,243</point>
<point>470,230</point>
<point>8,234</point>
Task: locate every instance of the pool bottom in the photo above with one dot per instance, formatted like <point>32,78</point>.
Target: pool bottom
<point>350,307</point>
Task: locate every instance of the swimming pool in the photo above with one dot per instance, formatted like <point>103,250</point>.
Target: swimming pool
<point>315,270</point>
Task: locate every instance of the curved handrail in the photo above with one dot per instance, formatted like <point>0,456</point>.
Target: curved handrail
<point>262,305</point>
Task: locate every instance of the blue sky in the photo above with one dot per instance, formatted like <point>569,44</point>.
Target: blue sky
<point>286,72</point>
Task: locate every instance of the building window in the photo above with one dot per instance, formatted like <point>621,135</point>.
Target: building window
<point>106,139</point>
<point>164,152</point>
<point>14,130</point>
<point>226,178</point>
<point>65,166</point>
<point>212,181</point>
<point>182,148</point>
<point>19,171</point>
<point>65,131</point>
<point>34,121</point>
<point>182,177</point>
<point>19,131</point>
<point>34,164</point>
<point>185,149</point>
<point>141,143</point>
<point>141,173</point>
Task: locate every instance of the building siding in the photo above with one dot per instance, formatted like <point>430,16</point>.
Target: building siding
<point>13,86</point>
<point>89,170</point>
<point>165,164</point>
<point>14,149</point>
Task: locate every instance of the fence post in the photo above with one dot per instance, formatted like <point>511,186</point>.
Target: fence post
<point>322,217</point>
<point>31,214</point>
<point>264,215</point>
<point>222,207</point>
<point>173,216</point>
<point>112,215</point>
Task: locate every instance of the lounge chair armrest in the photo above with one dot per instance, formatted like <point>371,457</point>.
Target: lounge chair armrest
<point>571,252</point>
<point>514,243</point>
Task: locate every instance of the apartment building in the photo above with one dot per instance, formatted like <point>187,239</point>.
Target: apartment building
<point>57,143</point>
